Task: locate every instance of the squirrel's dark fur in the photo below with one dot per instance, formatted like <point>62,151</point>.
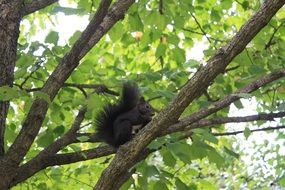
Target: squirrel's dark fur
<point>116,124</point>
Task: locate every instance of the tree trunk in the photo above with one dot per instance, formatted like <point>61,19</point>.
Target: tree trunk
<point>9,32</point>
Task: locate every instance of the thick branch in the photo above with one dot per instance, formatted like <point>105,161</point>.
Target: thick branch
<point>10,18</point>
<point>193,89</point>
<point>224,120</point>
<point>66,138</point>
<point>61,159</point>
<point>226,101</point>
<point>36,5</point>
<point>9,33</point>
<point>37,163</point>
<point>56,80</point>
<point>28,170</point>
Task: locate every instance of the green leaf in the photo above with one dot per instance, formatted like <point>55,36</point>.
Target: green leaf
<point>59,130</point>
<point>82,138</point>
<point>179,55</point>
<point>8,93</point>
<point>74,37</point>
<point>238,104</point>
<point>180,185</point>
<point>68,10</point>
<point>20,73</point>
<point>216,158</point>
<point>135,22</point>
<point>166,94</point>
<point>160,185</point>
<point>168,159</point>
<point>281,181</point>
<point>181,150</point>
<point>160,50</point>
<point>152,76</point>
<point>94,102</point>
<point>245,5</point>
<point>197,150</point>
<point>230,152</point>
<point>244,95</point>
<point>226,4</point>
<point>192,63</point>
<point>246,132</point>
<point>42,186</point>
<point>52,38</point>
<point>151,171</point>
<point>43,96</point>
<point>206,135</point>
<point>256,69</point>
<point>45,139</point>
<point>210,137</point>
<point>128,184</point>
<point>215,16</point>
<point>207,185</point>
<point>116,32</point>
<point>75,148</point>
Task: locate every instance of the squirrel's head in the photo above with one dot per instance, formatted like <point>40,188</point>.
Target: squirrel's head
<point>145,108</point>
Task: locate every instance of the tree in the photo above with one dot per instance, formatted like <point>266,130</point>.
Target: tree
<point>44,83</point>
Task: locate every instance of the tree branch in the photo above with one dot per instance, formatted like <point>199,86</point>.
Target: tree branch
<point>70,61</point>
<point>200,27</point>
<point>99,88</point>
<point>185,124</point>
<point>29,169</point>
<point>193,89</point>
<point>35,165</point>
<point>224,120</point>
<point>252,130</point>
<point>36,5</point>
<point>199,33</point>
<point>9,33</point>
<point>68,158</point>
<point>269,43</point>
<point>226,101</point>
<point>160,7</point>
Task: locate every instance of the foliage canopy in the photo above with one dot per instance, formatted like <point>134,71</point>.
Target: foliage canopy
<point>157,44</point>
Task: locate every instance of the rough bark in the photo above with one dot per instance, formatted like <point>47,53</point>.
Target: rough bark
<point>226,101</point>
<point>29,169</point>
<point>36,5</point>
<point>35,117</point>
<point>104,19</point>
<point>193,89</point>
<point>9,30</point>
<point>99,25</point>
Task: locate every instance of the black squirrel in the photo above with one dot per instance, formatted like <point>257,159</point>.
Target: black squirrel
<point>118,123</point>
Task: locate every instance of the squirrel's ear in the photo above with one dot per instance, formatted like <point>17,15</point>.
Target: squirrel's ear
<point>142,99</point>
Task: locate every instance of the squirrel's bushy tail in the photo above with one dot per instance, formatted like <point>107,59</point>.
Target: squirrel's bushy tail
<point>105,119</point>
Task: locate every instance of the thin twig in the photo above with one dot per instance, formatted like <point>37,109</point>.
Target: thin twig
<point>251,130</point>
<point>160,8</point>
<point>99,88</point>
<point>202,30</point>
<point>269,43</point>
<point>199,33</point>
